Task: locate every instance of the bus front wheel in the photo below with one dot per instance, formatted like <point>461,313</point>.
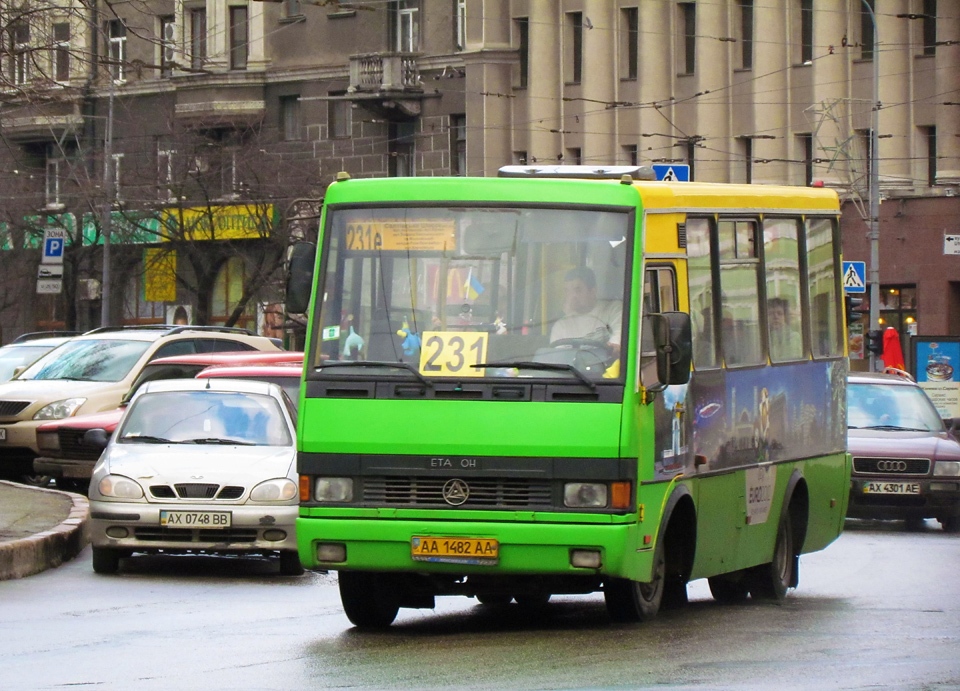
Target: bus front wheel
<point>630,601</point>
<point>772,580</point>
<point>367,599</point>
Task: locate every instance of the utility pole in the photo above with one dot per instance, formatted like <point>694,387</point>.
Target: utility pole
<point>873,271</point>
<point>108,194</point>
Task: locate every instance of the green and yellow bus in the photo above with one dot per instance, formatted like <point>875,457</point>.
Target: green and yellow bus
<point>569,380</point>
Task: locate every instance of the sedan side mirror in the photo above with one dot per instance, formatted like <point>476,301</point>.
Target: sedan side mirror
<point>96,438</point>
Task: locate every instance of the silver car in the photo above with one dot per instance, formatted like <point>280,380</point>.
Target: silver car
<point>198,466</point>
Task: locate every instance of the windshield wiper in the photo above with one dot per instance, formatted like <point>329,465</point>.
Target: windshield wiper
<point>378,363</point>
<point>556,366</point>
<point>894,428</point>
<point>146,439</point>
<point>218,440</point>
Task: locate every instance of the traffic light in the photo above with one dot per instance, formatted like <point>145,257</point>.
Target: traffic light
<point>853,307</point>
<point>875,341</point>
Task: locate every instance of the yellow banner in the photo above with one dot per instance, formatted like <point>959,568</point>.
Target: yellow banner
<point>401,236</point>
<point>159,275</point>
<point>238,222</point>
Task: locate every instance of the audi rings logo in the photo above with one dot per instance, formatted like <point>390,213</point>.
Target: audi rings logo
<point>892,466</point>
<point>455,492</point>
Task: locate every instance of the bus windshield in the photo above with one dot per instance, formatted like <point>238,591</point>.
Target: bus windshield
<point>474,292</point>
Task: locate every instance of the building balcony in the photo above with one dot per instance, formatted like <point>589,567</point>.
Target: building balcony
<point>387,83</point>
<point>224,101</point>
<point>42,120</point>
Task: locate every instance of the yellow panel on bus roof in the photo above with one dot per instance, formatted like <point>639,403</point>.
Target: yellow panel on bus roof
<point>703,195</point>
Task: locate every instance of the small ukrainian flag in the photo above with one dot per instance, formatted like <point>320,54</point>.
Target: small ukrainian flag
<point>472,286</point>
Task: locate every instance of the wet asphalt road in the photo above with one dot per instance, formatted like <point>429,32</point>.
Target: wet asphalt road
<point>879,609</point>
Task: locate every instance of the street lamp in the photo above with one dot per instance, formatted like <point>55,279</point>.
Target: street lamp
<point>873,276</point>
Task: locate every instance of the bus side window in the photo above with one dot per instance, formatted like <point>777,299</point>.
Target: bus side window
<point>659,295</point>
<point>740,292</point>
<point>700,281</point>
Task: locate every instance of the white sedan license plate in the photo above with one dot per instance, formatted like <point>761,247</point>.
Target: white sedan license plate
<point>891,488</point>
<point>195,519</point>
<point>3,434</point>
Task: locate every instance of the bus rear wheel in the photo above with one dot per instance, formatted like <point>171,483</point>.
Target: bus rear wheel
<point>367,599</point>
<point>631,601</point>
<point>772,580</point>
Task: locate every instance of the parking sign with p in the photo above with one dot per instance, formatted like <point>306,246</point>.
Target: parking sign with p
<point>54,240</point>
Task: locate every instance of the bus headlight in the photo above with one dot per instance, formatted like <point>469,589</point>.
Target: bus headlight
<point>591,495</point>
<point>333,489</point>
<point>942,468</point>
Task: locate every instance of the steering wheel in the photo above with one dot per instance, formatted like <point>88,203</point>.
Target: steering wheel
<point>599,352</point>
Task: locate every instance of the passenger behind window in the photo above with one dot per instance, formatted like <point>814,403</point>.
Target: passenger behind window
<point>785,341</point>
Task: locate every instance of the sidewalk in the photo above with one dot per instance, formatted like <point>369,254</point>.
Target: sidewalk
<point>39,528</point>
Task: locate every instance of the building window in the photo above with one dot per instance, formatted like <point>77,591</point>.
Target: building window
<point>520,158</point>
<point>930,135</point>
<point>866,30</point>
<point>746,34</point>
<point>168,45</point>
<point>227,291</point>
<point>574,156</point>
<point>165,156</point>
<point>292,8</point>
<point>115,171</point>
<point>805,145</point>
<point>20,50</point>
<point>745,154</point>
<point>460,27</point>
<point>61,52</point>
<point>118,49</point>
<point>522,25</point>
<point>458,144</point>
<point>690,151</point>
<point>866,146</point>
<point>574,51</point>
<point>898,308</point>
<point>929,27</point>
<point>239,41</point>
<point>56,166</point>
<point>401,150</point>
<point>806,32</point>
<point>229,179</point>
<point>631,155</point>
<point>404,18</point>
<point>687,23</point>
<point>290,118</point>
<point>198,39</point>
<point>629,38</point>
<point>340,119</point>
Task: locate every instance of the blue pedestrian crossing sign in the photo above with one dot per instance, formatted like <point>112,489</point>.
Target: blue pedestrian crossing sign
<point>54,240</point>
<point>672,172</point>
<point>854,277</point>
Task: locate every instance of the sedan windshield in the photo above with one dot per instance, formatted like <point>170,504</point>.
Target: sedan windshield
<point>890,406</point>
<point>205,417</point>
<point>103,360</point>
<point>474,292</point>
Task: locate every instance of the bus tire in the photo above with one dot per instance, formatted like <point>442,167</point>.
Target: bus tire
<point>632,601</point>
<point>367,599</point>
<point>729,588</point>
<point>772,580</point>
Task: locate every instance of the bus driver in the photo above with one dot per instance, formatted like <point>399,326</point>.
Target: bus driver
<point>586,317</point>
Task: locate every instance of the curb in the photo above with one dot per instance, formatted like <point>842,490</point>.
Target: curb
<point>50,548</point>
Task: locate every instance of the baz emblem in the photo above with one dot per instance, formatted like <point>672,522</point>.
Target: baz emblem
<point>455,492</point>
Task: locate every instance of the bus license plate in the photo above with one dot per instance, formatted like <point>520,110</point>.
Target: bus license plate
<point>891,488</point>
<point>195,519</point>
<point>455,550</point>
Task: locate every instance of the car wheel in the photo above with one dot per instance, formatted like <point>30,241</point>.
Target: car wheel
<point>729,588</point>
<point>106,560</point>
<point>290,563</point>
<point>35,480</point>
<point>630,601</point>
<point>914,525</point>
<point>951,524</point>
<point>368,600</point>
<point>771,581</point>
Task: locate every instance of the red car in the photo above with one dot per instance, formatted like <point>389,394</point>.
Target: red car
<point>285,375</point>
<point>65,457</point>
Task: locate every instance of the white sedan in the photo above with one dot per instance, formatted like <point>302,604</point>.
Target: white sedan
<point>198,466</point>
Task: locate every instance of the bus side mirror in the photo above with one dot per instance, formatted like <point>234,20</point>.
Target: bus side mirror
<point>303,256</point>
<point>674,343</point>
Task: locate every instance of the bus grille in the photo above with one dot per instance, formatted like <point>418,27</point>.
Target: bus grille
<point>484,492</point>
<point>891,466</point>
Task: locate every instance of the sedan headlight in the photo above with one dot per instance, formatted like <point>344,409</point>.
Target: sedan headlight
<point>48,441</point>
<point>119,487</point>
<point>943,468</point>
<point>333,489</point>
<point>280,489</point>
<point>585,495</point>
<point>59,409</point>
